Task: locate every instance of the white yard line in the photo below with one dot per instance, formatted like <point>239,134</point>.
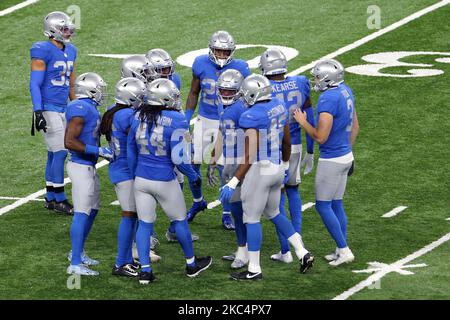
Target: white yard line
<point>392,267</point>
<point>347,48</point>
<point>394,212</point>
<point>38,194</point>
<point>17,7</point>
<point>373,36</point>
<point>17,198</point>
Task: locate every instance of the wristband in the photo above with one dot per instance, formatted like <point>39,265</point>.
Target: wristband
<point>233,183</point>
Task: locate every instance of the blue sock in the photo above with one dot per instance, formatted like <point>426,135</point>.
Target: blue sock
<point>331,222</point>
<point>184,237</point>
<point>196,190</point>
<point>283,224</point>
<point>125,240</point>
<point>241,230</point>
<point>172,227</point>
<point>89,223</point>
<point>295,207</point>
<point>133,239</point>
<point>77,236</point>
<point>57,170</point>
<point>144,231</point>
<point>254,236</point>
<point>48,177</point>
<point>338,208</point>
<point>284,243</point>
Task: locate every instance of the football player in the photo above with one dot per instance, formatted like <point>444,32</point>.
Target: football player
<point>294,91</point>
<point>51,84</point>
<point>138,67</point>
<point>82,140</point>
<point>164,65</point>
<point>230,109</point>
<point>206,69</point>
<point>129,96</point>
<point>154,140</point>
<point>265,168</point>
<point>336,132</point>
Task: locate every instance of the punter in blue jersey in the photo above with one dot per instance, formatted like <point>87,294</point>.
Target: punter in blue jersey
<point>206,69</point>
<point>336,132</point>
<point>156,144</point>
<point>129,95</point>
<point>82,139</point>
<point>229,145</point>
<point>51,85</point>
<point>262,173</point>
<point>294,91</point>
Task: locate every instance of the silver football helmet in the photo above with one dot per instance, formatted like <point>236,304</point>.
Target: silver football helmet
<point>327,73</point>
<point>90,85</point>
<point>138,67</point>
<point>273,62</point>
<point>162,61</point>
<point>221,40</point>
<point>229,81</point>
<point>130,92</point>
<point>59,26</point>
<point>256,88</point>
<point>163,92</point>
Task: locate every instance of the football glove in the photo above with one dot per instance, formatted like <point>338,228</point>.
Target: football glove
<point>308,163</point>
<point>226,192</point>
<point>39,121</point>
<point>212,178</point>
<point>105,153</point>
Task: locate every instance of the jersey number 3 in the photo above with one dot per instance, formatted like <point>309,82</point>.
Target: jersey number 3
<point>65,73</point>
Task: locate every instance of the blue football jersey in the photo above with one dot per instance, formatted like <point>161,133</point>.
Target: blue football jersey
<point>293,91</point>
<point>155,147</point>
<point>269,118</point>
<point>118,169</point>
<point>208,73</point>
<point>233,138</point>
<point>86,109</point>
<point>175,77</point>
<point>59,66</point>
<point>338,102</point>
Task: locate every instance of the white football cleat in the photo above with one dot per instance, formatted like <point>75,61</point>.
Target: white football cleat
<point>332,256</point>
<point>286,258</point>
<point>154,242</point>
<point>345,255</point>
<point>84,259</point>
<point>81,270</point>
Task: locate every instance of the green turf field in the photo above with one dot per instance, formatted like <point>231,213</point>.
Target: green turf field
<point>402,153</point>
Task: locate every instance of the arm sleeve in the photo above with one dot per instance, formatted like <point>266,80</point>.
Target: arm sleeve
<point>132,151</point>
<point>36,80</point>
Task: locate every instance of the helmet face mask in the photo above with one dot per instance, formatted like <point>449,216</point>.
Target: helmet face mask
<point>221,48</point>
<point>58,26</point>
<point>162,62</point>
<point>228,86</point>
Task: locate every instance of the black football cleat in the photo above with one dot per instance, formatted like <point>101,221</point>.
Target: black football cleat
<point>64,207</point>
<point>127,270</point>
<point>145,277</point>
<point>50,205</point>
<point>306,262</point>
<point>246,276</point>
<point>201,264</point>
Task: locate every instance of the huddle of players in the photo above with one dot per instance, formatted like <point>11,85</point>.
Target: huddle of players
<point>253,121</point>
